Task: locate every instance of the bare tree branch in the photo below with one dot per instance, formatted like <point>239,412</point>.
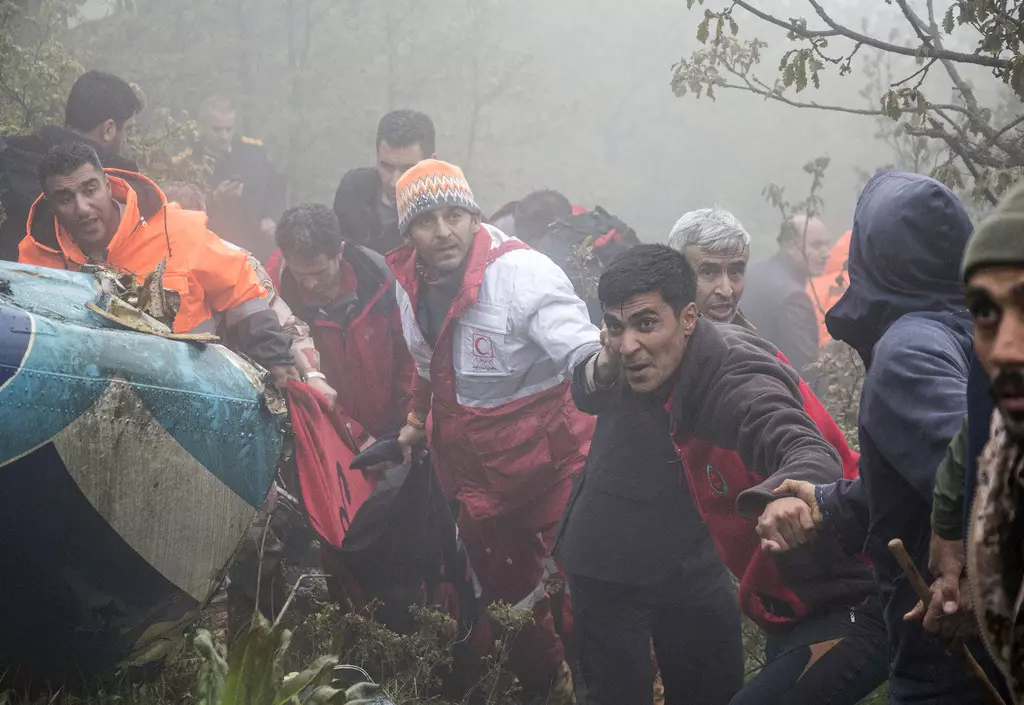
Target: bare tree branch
<point>758,87</point>
<point>963,146</point>
<point>922,72</point>
<point>1004,129</point>
<point>912,18</point>
<point>974,112</point>
<point>957,149</point>
<point>795,29</point>
<point>798,104</point>
<point>926,51</point>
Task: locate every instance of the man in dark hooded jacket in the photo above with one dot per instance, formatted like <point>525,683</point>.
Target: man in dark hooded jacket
<point>99,112</point>
<point>365,200</point>
<point>904,315</point>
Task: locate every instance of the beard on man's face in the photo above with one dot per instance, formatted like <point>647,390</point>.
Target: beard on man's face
<point>1008,390</point>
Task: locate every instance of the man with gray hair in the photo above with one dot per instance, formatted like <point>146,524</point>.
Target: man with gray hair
<point>717,246</point>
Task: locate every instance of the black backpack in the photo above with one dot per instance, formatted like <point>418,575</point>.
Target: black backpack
<point>582,246</point>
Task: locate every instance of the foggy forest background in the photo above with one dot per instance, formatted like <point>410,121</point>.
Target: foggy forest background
<point>567,94</point>
<point>606,101</point>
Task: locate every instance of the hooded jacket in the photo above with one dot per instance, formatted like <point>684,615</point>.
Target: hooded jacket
<point>904,315</point>
<point>357,203</point>
<point>582,246</point>
<point>208,274</point>
<point>19,181</point>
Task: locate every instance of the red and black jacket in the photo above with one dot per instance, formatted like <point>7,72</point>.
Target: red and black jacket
<point>362,350</point>
<point>742,421</point>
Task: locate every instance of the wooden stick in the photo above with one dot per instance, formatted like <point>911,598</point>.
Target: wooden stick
<point>899,551</point>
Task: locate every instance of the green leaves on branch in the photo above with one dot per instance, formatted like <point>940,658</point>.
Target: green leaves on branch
<point>721,19</point>
<point>702,73</point>
<point>898,101</point>
<point>36,68</point>
<point>949,174</point>
<point>797,65</point>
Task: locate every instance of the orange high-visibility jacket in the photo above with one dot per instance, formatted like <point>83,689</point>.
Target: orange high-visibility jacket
<point>208,274</point>
<point>825,290</point>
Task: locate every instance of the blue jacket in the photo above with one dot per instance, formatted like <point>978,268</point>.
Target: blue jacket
<point>904,314</point>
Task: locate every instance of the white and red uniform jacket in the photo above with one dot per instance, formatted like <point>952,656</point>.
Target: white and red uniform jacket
<point>504,429</point>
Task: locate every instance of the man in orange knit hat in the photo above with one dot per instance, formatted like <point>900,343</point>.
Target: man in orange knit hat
<point>90,216</point>
<point>494,328</point>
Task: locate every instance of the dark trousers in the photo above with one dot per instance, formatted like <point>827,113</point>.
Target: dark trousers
<point>835,658</point>
<point>696,635</point>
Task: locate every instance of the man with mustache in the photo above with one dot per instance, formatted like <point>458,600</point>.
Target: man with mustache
<point>903,313</point>
<point>993,270</point>
<point>100,112</point>
<point>717,246</point>
<point>697,423</point>
<point>494,328</point>
<point>87,215</point>
<point>247,191</point>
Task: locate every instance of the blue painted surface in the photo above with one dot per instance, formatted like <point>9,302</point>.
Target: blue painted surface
<point>195,391</point>
<point>15,326</point>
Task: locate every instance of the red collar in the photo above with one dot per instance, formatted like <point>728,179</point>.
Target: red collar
<point>349,285</point>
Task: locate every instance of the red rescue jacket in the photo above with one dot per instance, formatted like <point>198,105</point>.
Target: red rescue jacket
<point>362,351</point>
<point>506,437</point>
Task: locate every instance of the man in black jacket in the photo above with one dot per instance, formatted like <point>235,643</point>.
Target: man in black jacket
<point>365,202</point>
<point>697,423</point>
<point>247,193</point>
<point>99,112</point>
<point>776,291</point>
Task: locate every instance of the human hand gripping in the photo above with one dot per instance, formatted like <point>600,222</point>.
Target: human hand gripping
<point>321,385</point>
<point>949,615</point>
<point>789,522</point>
<point>282,374</point>
<point>609,361</point>
<point>410,437</point>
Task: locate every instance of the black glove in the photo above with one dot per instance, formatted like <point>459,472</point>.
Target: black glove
<point>385,450</point>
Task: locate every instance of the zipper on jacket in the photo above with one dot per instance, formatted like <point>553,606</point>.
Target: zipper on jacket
<point>698,502</point>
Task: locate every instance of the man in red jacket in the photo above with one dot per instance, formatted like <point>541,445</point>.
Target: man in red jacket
<point>494,327</point>
<point>740,422</point>
<point>347,296</point>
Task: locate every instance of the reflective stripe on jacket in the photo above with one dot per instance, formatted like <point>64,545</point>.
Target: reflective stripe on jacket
<point>504,428</point>
<point>208,274</point>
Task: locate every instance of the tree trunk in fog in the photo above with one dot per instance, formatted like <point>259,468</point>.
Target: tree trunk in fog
<point>474,116</point>
<point>299,21</point>
<point>243,12</point>
<point>389,35</point>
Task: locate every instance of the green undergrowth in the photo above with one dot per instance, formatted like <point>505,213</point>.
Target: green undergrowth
<point>274,665</point>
